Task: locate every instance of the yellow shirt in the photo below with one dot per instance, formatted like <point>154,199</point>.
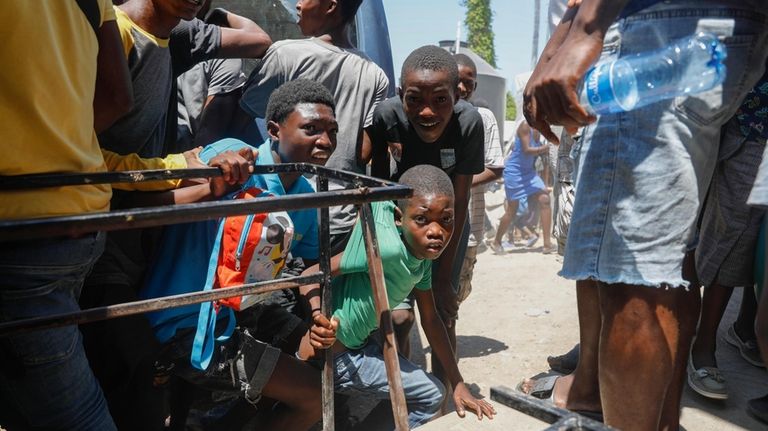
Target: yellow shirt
<point>47,85</point>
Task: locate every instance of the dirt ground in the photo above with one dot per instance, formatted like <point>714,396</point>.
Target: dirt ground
<point>520,311</point>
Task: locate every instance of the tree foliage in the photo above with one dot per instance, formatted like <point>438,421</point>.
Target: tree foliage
<point>479,21</point>
<point>511,107</point>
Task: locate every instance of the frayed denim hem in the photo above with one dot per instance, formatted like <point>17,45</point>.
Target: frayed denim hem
<point>621,279</point>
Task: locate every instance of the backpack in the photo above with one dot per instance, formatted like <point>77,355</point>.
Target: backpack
<point>248,248</point>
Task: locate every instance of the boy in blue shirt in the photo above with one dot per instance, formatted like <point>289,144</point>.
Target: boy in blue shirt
<point>410,235</point>
<point>302,128</point>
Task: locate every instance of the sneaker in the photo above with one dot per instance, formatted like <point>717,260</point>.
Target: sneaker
<point>531,241</point>
<point>707,381</point>
<point>747,348</point>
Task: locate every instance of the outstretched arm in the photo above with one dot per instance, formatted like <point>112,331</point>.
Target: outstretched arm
<point>441,348</point>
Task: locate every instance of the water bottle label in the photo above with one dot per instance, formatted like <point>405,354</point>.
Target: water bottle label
<point>599,92</point>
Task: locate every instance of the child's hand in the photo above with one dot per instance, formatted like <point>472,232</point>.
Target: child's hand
<point>463,399</point>
<point>193,158</point>
<point>236,168</point>
<point>322,335</point>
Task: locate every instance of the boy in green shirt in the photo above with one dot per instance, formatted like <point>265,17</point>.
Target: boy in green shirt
<point>411,235</point>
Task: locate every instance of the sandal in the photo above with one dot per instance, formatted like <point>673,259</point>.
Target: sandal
<point>544,389</point>
<point>565,363</point>
<point>707,381</point>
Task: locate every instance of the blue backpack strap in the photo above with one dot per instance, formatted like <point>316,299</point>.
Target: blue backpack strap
<point>202,347</point>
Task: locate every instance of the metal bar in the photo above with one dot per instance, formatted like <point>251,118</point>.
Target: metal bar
<point>154,304</point>
<point>545,411</point>
<point>391,361</point>
<point>145,217</point>
<point>33,181</point>
<point>329,421</point>
<point>570,423</point>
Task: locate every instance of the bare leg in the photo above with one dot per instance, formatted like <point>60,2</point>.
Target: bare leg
<point>712,309</point>
<point>639,349</point>
<point>546,218</point>
<point>510,211</point>
<point>297,386</point>
<point>580,390</point>
<point>745,322</point>
<point>689,310</point>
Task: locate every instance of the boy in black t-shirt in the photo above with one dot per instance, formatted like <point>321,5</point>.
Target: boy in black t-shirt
<point>428,124</point>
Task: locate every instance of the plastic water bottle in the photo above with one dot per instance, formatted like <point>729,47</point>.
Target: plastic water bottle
<point>687,66</point>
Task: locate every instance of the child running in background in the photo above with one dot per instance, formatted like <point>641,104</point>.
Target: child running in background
<point>521,180</point>
<point>411,235</point>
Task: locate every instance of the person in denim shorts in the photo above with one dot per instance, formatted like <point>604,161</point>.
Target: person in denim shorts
<point>645,174</point>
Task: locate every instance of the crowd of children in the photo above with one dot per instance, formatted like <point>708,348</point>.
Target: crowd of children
<point>173,96</point>
<point>159,84</point>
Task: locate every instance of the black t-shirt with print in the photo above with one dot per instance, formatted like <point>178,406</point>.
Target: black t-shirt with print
<point>458,151</point>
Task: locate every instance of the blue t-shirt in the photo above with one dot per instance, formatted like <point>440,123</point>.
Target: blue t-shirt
<point>181,264</point>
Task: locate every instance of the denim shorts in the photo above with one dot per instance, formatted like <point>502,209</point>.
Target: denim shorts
<point>729,227</point>
<point>641,175</point>
<point>362,372</point>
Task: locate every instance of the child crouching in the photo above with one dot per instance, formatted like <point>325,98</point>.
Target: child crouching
<point>411,235</point>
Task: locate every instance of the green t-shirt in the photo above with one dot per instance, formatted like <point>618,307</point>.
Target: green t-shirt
<point>353,302</point>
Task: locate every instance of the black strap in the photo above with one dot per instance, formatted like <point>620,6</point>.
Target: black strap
<point>91,11</point>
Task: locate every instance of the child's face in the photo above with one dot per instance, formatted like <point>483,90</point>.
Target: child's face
<point>313,16</point>
<point>467,82</point>
<point>428,99</point>
<point>308,134</point>
<point>427,225</point>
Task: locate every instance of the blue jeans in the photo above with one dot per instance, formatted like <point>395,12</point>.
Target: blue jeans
<point>642,175</point>
<point>45,379</point>
<point>362,373</point>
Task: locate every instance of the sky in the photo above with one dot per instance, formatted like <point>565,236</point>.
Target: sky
<point>414,23</point>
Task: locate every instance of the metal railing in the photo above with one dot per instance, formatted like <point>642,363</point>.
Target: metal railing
<point>559,419</point>
<point>363,191</point>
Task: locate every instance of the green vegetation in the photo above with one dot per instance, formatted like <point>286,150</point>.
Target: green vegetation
<point>479,21</point>
<point>511,107</point>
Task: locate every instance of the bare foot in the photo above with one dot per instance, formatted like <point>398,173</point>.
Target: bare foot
<point>561,394</point>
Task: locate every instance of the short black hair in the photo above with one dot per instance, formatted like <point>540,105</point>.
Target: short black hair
<point>283,101</point>
<point>431,57</point>
<point>426,180</point>
<point>349,9</point>
<point>464,60</point>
